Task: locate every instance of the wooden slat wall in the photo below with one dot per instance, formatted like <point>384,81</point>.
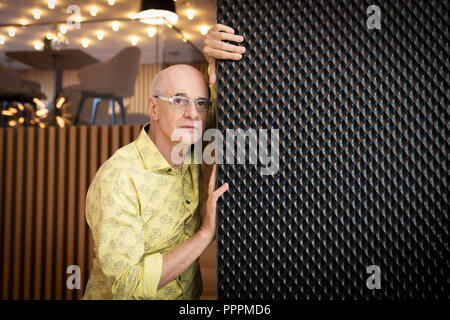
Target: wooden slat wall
<point>44,177</point>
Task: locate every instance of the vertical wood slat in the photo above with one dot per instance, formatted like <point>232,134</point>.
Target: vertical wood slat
<point>30,171</point>
<point>44,177</point>
<point>18,223</point>
<point>50,237</point>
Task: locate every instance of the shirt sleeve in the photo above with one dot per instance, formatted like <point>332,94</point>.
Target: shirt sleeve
<point>113,213</point>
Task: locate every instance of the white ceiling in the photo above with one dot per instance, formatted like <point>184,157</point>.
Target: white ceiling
<point>171,47</point>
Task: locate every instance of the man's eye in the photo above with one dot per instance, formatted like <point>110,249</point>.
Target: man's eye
<point>201,103</point>
<point>178,100</point>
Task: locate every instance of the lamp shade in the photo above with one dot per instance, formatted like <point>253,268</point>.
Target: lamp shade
<point>157,12</point>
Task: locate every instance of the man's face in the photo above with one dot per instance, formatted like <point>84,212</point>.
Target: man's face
<point>185,124</point>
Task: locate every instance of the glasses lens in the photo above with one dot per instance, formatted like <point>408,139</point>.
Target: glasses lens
<point>180,102</point>
<point>202,104</point>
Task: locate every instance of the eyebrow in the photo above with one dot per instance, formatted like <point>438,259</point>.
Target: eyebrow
<point>185,95</point>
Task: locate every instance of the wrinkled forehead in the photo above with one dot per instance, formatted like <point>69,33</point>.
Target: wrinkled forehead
<point>190,83</point>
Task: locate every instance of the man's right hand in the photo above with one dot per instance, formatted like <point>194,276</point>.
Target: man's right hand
<point>214,48</point>
<point>209,212</point>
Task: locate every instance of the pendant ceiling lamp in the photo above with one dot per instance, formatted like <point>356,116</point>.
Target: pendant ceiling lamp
<point>157,12</point>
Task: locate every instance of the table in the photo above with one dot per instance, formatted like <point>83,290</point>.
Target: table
<point>57,60</point>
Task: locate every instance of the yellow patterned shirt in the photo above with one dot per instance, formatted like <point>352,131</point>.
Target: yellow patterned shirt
<point>139,208</point>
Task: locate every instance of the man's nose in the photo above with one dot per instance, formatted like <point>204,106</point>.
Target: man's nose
<point>191,110</point>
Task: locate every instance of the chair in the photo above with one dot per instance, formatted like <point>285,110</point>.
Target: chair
<point>112,80</point>
<point>14,88</point>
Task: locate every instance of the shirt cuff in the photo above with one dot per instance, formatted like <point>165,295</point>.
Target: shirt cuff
<point>152,273</point>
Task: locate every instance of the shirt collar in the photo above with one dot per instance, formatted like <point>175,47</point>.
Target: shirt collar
<point>153,159</point>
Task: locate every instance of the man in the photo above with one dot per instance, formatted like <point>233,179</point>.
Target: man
<point>144,207</point>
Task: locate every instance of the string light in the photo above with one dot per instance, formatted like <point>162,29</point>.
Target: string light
<point>134,40</point>
<point>100,35</point>
<point>85,42</point>
<point>39,103</point>
<point>51,4</point>
<point>190,14</point>
<point>2,40</point>
<point>11,32</point>
<point>23,22</point>
<point>63,28</point>
<point>49,35</point>
<point>36,14</point>
<point>38,45</point>
<point>204,29</point>
<point>60,102</point>
<point>41,112</point>
<point>111,2</point>
<point>115,26</point>
<point>60,121</point>
<point>93,10</point>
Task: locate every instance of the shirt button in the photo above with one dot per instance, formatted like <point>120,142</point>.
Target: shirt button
<point>169,170</point>
<point>188,201</point>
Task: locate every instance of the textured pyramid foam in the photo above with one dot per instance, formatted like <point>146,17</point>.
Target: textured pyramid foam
<point>364,145</point>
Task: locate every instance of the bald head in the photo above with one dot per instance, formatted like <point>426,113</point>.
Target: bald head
<point>177,76</point>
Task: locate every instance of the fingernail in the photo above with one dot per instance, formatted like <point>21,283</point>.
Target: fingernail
<point>243,49</point>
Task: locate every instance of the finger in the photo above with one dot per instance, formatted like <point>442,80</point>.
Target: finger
<point>227,47</point>
<point>229,37</point>
<point>212,76</point>
<point>224,28</point>
<point>212,180</point>
<point>219,192</point>
<point>219,54</point>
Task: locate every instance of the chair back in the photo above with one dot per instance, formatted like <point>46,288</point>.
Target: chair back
<point>115,76</point>
<point>126,66</point>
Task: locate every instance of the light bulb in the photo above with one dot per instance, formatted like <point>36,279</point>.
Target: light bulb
<point>93,10</point>
<point>111,2</point>
<point>63,28</point>
<point>151,32</point>
<point>85,42</point>
<point>38,45</point>
<point>115,26</point>
<point>37,14</point>
<point>100,35</point>
<point>23,22</point>
<point>190,14</point>
<point>51,4</point>
<point>204,29</point>
<point>49,35</point>
<point>2,40</point>
<point>134,40</point>
<point>11,32</point>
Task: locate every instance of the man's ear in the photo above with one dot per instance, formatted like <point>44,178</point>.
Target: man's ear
<point>153,108</point>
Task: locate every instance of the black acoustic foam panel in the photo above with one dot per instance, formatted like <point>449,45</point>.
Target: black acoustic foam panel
<point>364,145</point>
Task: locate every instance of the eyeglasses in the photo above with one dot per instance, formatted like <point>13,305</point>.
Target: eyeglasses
<point>180,102</point>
